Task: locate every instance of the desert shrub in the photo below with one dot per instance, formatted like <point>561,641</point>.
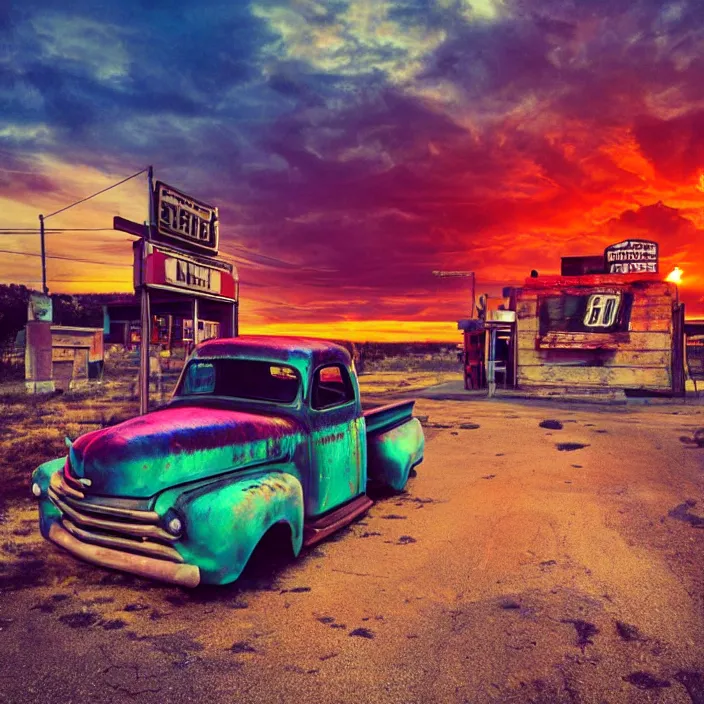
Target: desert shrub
<point>11,361</point>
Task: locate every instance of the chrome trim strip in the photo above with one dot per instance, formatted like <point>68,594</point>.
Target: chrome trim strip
<point>76,499</point>
<point>60,486</point>
<point>181,574</point>
<point>156,550</point>
<point>134,529</point>
<point>131,514</point>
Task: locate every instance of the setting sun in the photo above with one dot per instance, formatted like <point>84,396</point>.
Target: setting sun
<point>675,276</point>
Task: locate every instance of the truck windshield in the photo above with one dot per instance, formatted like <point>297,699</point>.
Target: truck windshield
<point>240,378</point>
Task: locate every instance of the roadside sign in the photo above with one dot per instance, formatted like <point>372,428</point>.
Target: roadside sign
<point>159,266</point>
<point>184,221</point>
<point>177,253</point>
<point>133,228</point>
<point>631,256</point>
<point>40,308</point>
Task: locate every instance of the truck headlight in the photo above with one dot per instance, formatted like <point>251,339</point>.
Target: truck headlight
<point>174,526</point>
<point>36,489</point>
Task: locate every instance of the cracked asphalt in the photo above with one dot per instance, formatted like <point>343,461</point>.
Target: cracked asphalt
<point>541,554</point>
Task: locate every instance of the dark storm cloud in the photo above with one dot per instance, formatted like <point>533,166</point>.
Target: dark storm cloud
<point>85,75</point>
<point>657,222</point>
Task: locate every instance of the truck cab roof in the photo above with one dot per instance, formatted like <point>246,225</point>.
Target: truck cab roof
<point>297,351</point>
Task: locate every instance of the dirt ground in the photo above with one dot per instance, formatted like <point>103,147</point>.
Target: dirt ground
<point>543,553</point>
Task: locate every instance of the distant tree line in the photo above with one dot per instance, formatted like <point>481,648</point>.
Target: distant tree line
<point>13,312</point>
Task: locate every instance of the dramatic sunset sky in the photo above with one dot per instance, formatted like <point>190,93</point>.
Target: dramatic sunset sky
<point>353,146</point>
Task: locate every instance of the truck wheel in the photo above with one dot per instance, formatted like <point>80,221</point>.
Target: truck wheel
<point>273,551</point>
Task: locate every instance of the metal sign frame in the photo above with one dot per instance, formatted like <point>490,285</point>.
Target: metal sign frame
<point>183,220</point>
<point>157,266</point>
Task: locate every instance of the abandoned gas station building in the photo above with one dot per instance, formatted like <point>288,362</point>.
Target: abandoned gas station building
<point>172,322</point>
<point>603,325</point>
<point>618,331</point>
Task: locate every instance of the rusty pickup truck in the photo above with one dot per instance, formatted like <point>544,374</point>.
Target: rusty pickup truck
<point>263,436</point>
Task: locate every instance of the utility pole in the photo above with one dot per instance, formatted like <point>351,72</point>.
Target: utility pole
<point>462,274</point>
<point>42,218</point>
<point>45,288</point>
<point>145,307</point>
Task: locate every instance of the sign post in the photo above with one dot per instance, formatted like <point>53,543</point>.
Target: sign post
<point>145,317</point>
<point>491,365</point>
<point>176,255</point>
<point>45,288</point>
<point>145,312</point>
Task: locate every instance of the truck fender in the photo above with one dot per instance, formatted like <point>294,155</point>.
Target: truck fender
<point>225,520</point>
<point>393,453</point>
<point>42,476</point>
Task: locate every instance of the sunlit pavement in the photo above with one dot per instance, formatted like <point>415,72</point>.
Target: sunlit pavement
<point>525,564</point>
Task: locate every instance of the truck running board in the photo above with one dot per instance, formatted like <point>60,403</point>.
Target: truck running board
<point>316,530</point>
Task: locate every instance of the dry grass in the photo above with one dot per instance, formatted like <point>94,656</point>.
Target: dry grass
<point>34,428</point>
<point>381,383</point>
<point>414,362</point>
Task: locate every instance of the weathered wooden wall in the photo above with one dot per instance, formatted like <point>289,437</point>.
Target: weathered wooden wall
<point>72,350</point>
<point>640,358</point>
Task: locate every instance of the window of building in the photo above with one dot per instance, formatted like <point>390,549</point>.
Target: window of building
<point>331,387</point>
<point>595,312</point>
<point>602,310</point>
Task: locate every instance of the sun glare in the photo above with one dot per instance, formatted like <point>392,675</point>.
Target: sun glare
<point>675,276</point>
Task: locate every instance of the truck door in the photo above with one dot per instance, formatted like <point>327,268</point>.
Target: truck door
<point>337,455</point>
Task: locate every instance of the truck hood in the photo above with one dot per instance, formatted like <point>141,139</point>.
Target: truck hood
<point>145,455</point>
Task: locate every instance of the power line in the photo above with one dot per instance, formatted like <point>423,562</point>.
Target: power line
<point>83,200</point>
<point>255,259</point>
<point>79,281</point>
<point>35,230</point>
<point>57,256</point>
<point>35,233</point>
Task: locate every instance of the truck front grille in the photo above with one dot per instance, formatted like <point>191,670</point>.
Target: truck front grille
<point>124,529</point>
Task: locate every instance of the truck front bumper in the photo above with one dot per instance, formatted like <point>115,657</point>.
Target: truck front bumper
<point>171,572</point>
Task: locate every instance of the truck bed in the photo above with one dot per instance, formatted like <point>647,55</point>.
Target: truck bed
<point>385,417</point>
<point>395,444</point>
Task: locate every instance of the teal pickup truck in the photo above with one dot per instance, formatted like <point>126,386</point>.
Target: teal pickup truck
<point>263,437</point>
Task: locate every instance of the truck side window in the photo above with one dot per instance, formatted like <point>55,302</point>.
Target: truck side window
<point>331,387</point>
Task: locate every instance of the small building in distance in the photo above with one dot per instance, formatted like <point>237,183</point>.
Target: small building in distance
<point>599,332</point>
